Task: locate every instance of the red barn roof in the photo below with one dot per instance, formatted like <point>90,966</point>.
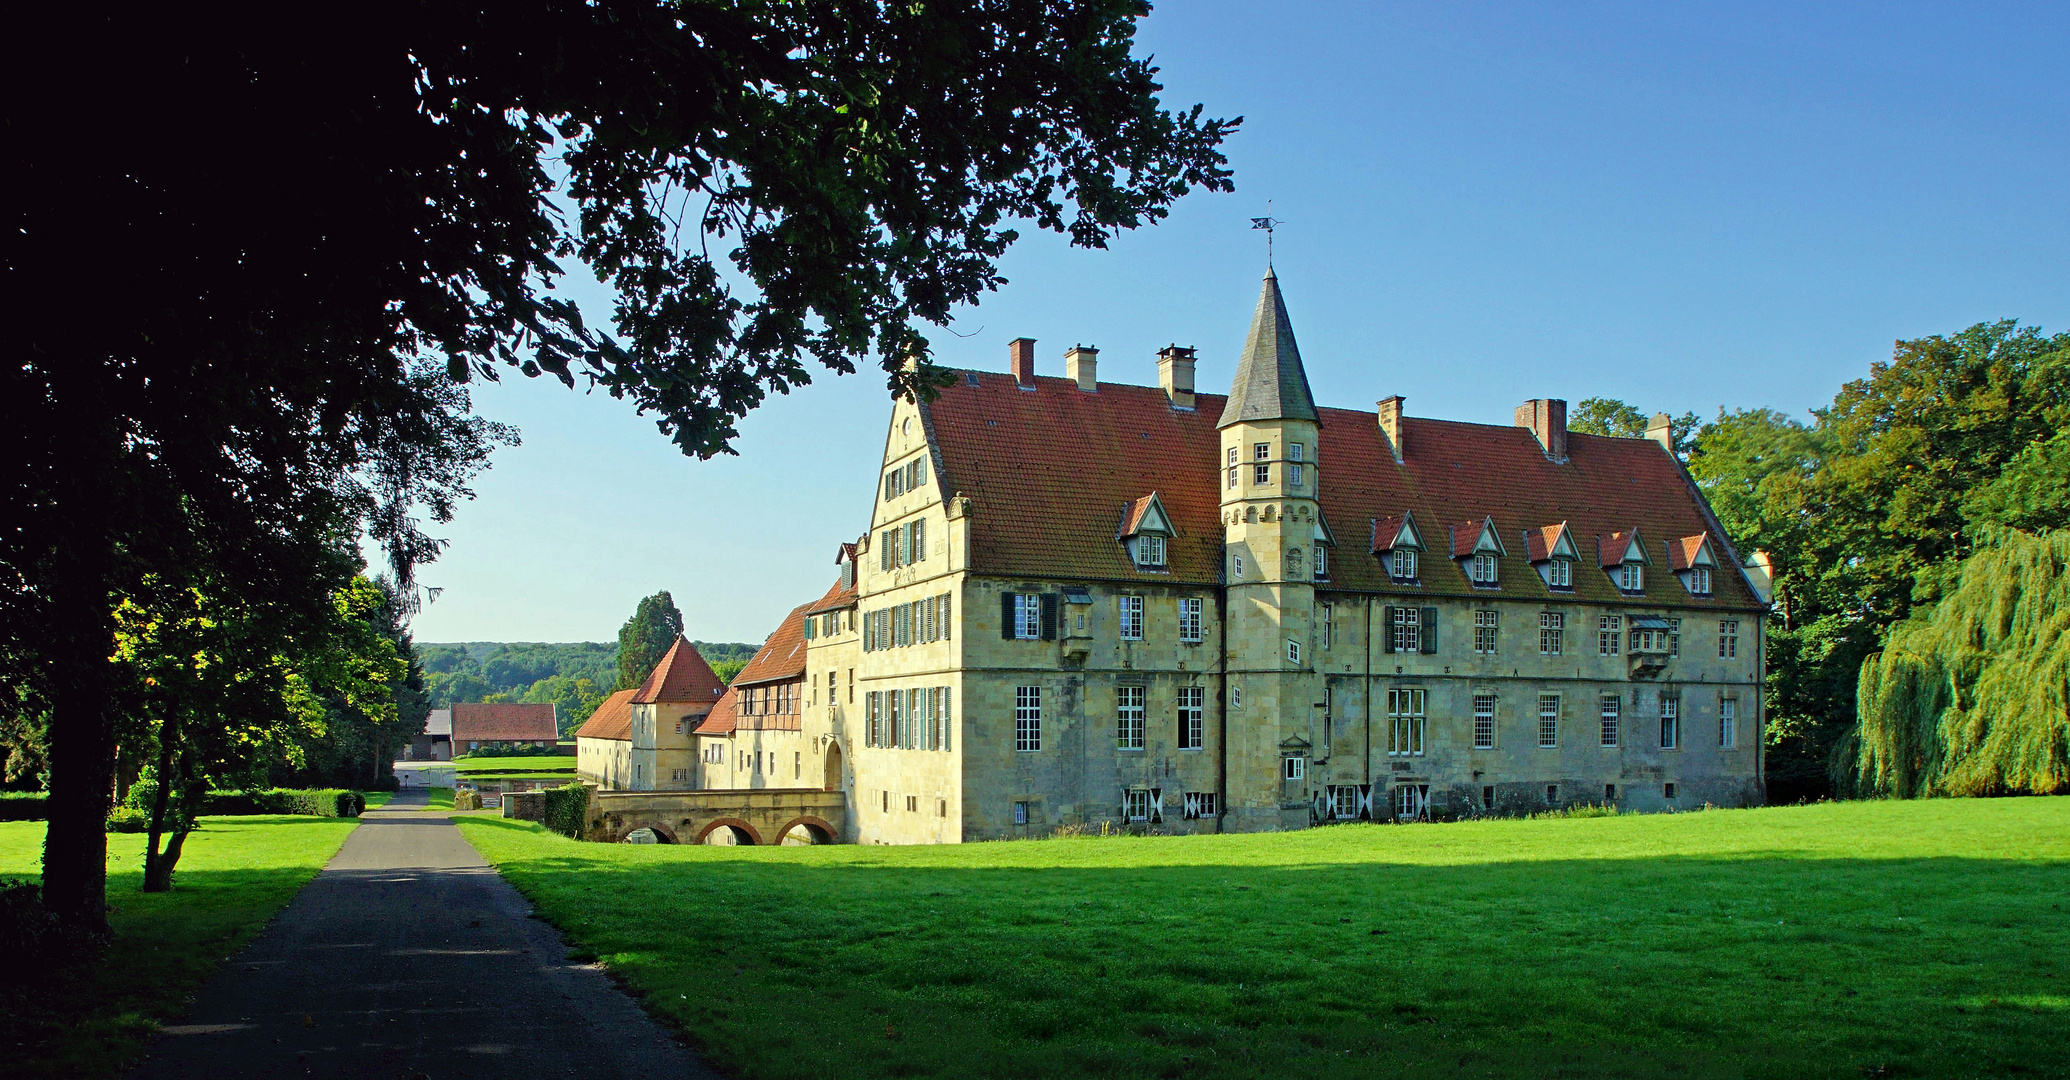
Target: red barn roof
<point>481,722</point>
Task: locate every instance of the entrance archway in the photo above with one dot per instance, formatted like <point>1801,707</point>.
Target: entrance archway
<point>728,832</point>
<point>832,780</point>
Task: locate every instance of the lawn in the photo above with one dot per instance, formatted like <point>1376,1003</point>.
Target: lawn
<point>531,763</point>
<point>234,875</point>
<point>1840,940</point>
<point>441,798</point>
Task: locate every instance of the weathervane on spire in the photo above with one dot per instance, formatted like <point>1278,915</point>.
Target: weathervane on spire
<point>1267,223</point>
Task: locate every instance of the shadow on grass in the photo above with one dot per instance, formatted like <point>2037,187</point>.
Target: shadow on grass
<point>89,1016</point>
<point>1718,965</point>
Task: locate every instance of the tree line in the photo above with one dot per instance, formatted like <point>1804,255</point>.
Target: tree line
<point>1916,530</point>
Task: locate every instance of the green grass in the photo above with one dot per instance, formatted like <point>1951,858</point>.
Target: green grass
<point>441,798</point>
<point>516,765</point>
<point>1840,940</point>
<point>377,799</point>
<point>233,876</point>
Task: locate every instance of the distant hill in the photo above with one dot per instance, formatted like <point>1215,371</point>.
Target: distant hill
<point>573,676</point>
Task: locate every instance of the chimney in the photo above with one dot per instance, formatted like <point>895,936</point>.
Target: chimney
<point>1662,430</point>
<point>1082,366</point>
<point>1390,410</point>
<point>1547,419</point>
<point>1021,354</point>
<point>1175,375</point>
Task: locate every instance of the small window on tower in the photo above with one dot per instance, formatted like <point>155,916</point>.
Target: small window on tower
<point>1262,452</point>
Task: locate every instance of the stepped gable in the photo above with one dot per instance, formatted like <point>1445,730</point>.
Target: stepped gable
<point>782,656</point>
<point>724,717</point>
<point>612,720</point>
<point>1270,382</point>
<point>477,721</point>
<point>681,678</point>
<point>1046,468</point>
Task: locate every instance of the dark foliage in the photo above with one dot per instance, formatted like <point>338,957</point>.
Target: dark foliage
<point>567,810</point>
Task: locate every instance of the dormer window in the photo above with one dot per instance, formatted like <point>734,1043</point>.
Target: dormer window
<point>1145,529</point>
<point>1631,577</point>
<point>1397,541</point>
<point>1149,551</point>
<point>1322,563</point>
<point>1691,560</point>
<point>1559,573</point>
<point>1477,548</point>
<point>1700,580</point>
<point>1482,570</point>
<point>1623,556</point>
<point>1401,565</point>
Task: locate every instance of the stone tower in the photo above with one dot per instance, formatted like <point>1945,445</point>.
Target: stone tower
<point>1269,476</point>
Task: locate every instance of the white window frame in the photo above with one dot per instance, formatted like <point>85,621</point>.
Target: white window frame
<point>1344,802</point>
<point>1027,719</point>
<point>1322,563</point>
<point>1407,630</point>
<point>1294,475</point>
<point>1128,717</point>
<point>1552,633</point>
<point>1548,721</point>
<point>1150,550</point>
<point>1261,473</point>
<point>1560,575</point>
<point>1027,617</point>
<point>1487,624</point>
<point>1483,569</point>
<point>1294,452</point>
<point>1402,567</point>
<point>1484,721</point>
<point>1130,609</point>
<point>1670,722</point>
<point>1192,717</point>
<point>1136,804</point>
<point>1728,723</point>
<point>1728,639</point>
<point>1236,567</point>
<point>1327,624</point>
<point>1293,652</point>
<point>1609,634</point>
<point>1613,716</point>
<point>1406,721</point>
<point>1631,577</point>
<point>1190,629</point>
<point>1700,580</point>
<point>1293,767</point>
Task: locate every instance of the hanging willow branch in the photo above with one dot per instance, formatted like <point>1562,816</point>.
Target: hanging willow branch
<point>1973,696</point>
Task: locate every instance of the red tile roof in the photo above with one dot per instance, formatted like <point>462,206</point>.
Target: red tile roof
<point>1682,551</point>
<point>612,720</point>
<point>1132,514</point>
<point>482,722</point>
<point>836,597</point>
<point>1611,549</point>
<point>1045,469</point>
<point>681,678</point>
<point>1540,543</point>
<point>782,656</point>
<point>723,717</point>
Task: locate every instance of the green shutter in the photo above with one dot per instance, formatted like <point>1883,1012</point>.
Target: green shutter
<point>1430,630</point>
<point>1387,629</point>
<point>1049,616</point>
<point>1006,615</point>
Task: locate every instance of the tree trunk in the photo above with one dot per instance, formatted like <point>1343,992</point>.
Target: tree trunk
<point>82,638</point>
<point>157,867</point>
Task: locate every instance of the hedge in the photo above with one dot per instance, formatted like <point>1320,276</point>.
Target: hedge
<point>22,806</point>
<point>309,802</point>
<point>567,809</point>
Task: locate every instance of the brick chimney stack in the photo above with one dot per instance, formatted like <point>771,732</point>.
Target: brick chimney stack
<point>1021,357</point>
<point>1082,366</point>
<point>1390,410</point>
<point>1547,419</point>
<point>1175,375</point>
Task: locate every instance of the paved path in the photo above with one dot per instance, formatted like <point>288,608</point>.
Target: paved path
<point>409,957</point>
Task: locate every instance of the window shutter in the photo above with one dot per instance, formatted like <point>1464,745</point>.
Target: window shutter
<point>884,552</point>
<point>1430,630</point>
<point>1387,629</point>
<point>919,548</point>
<point>945,615</point>
<point>1006,615</point>
<point>1049,616</point>
<point>869,634</point>
<point>889,479</point>
<point>919,471</point>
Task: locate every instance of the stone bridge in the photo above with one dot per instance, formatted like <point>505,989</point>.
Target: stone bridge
<point>746,816</point>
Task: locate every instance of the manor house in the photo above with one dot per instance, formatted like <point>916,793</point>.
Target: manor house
<point>1088,602</point>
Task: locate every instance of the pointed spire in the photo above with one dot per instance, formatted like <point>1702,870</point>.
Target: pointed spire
<point>1271,384</point>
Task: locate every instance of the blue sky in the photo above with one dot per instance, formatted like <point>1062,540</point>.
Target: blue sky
<point>1684,206</point>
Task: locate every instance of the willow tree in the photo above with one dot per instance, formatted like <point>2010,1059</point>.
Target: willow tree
<point>1972,696</point>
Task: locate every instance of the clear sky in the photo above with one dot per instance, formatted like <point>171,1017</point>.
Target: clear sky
<point>1686,206</point>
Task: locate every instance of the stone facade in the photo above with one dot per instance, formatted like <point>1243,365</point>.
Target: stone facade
<point>1082,603</point>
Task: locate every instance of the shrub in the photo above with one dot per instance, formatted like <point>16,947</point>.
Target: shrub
<point>22,806</point>
<point>567,809</point>
<point>308,802</point>
<point>127,819</point>
<point>348,804</point>
<point>142,794</point>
